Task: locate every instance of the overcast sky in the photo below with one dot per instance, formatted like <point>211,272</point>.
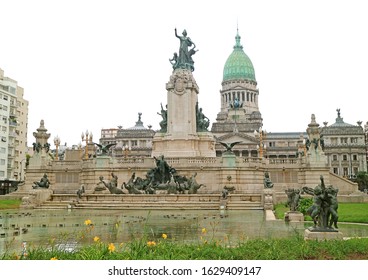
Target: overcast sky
<point>88,65</point>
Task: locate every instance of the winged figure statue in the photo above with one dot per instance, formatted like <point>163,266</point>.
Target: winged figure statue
<point>229,146</point>
<point>104,148</point>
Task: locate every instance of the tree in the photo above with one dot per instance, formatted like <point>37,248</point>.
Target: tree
<point>362,180</point>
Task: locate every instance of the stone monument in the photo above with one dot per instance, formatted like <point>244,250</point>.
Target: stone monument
<point>184,126</point>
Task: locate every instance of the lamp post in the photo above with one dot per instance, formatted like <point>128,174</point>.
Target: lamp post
<point>261,147</point>
<point>57,144</point>
<point>87,137</point>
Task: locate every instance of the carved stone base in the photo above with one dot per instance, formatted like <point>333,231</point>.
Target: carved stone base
<point>36,198</point>
<point>200,145</point>
<point>294,216</point>
<point>322,235</point>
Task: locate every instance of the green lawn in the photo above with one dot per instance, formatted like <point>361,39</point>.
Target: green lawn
<point>348,212</point>
<point>10,204</point>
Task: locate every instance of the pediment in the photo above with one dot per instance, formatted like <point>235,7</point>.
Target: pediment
<point>235,137</point>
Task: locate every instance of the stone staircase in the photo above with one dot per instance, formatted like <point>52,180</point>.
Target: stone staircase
<point>157,201</point>
<point>127,201</point>
<point>246,201</point>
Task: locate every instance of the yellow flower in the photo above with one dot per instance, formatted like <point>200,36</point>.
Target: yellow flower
<point>121,244</point>
<point>53,259</point>
<point>151,243</point>
<point>204,230</point>
<point>164,235</point>
<point>96,239</point>
<point>87,222</point>
<point>111,247</point>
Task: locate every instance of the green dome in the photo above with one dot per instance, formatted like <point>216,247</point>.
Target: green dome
<point>238,64</point>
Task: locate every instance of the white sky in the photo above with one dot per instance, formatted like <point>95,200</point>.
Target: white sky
<point>88,65</point>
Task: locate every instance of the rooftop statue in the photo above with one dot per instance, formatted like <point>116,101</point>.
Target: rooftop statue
<point>184,59</point>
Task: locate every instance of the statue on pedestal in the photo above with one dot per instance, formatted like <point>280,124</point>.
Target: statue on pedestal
<point>184,59</point>
<point>44,183</point>
<point>324,208</point>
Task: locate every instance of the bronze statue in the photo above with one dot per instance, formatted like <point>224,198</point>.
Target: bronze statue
<point>267,181</point>
<point>112,184</point>
<point>324,208</point>
<point>184,59</point>
<point>293,198</point>
<point>163,123</point>
<point>202,121</point>
<point>44,183</point>
<point>80,191</point>
<point>229,146</point>
<point>104,149</point>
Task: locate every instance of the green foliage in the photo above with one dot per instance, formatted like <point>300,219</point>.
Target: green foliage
<point>27,159</point>
<point>304,204</point>
<point>294,248</point>
<point>362,180</point>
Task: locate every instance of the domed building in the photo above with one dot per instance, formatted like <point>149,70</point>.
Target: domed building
<point>240,119</point>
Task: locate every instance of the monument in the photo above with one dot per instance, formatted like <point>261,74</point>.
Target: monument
<point>293,215</point>
<point>323,212</point>
<point>184,127</point>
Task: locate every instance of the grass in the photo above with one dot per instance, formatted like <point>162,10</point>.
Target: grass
<point>294,248</point>
<point>348,212</point>
<point>10,204</point>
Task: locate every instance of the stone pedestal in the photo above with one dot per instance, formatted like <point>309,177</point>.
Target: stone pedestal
<point>181,138</point>
<point>268,199</point>
<point>311,234</point>
<point>102,161</point>
<point>229,160</point>
<point>294,216</point>
<point>35,198</point>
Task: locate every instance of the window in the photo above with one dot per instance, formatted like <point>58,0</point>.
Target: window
<point>134,143</point>
<point>355,157</point>
<point>354,140</point>
<point>345,171</point>
<point>336,170</point>
<point>2,150</point>
<point>344,140</point>
<point>2,161</point>
<point>334,158</point>
<point>344,157</point>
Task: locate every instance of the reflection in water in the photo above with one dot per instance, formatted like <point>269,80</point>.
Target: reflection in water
<point>66,228</point>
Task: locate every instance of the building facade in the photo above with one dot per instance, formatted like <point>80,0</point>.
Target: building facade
<point>135,141</point>
<point>13,130</point>
<point>240,121</point>
<point>345,147</point>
